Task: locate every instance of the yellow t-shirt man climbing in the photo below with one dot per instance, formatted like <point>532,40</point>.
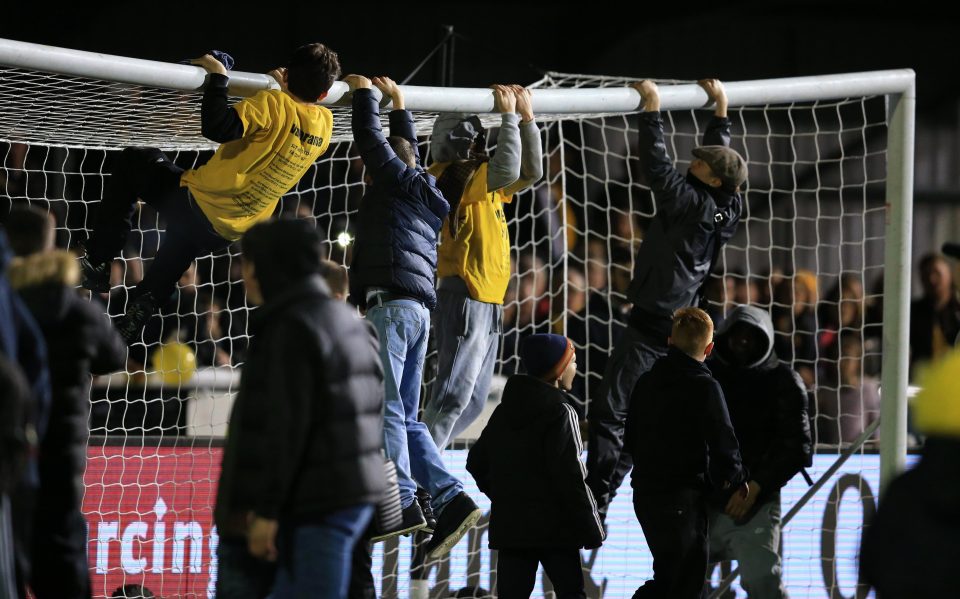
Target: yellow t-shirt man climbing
<point>243,181</point>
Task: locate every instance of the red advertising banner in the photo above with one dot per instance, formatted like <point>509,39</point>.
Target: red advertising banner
<point>150,516</point>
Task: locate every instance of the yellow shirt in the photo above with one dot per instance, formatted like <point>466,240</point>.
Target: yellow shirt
<point>480,252</point>
<point>243,181</point>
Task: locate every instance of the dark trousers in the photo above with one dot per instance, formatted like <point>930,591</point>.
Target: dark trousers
<point>239,574</point>
<point>675,525</point>
<point>607,463</point>
<point>517,572</point>
<point>147,174</point>
<point>60,566</point>
<point>22,509</point>
<point>361,570</point>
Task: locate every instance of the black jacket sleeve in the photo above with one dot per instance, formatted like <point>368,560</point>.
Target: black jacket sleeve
<point>378,157</point>
<point>563,445</point>
<point>726,465</point>
<point>401,125</point>
<point>108,351</point>
<point>478,463</point>
<point>294,367</point>
<point>219,122</point>
<point>717,132</point>
<point>631,422</point>
<point>671,192</point>
<point>794,444</point>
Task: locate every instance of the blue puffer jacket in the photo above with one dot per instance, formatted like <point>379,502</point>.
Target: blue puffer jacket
<point>400,214</point>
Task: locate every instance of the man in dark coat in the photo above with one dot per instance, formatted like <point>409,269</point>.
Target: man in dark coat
<point>767,402</point>
<point>527,460</point>
<point>302,463</point>
<point>910,548</point>
<point>81,341</point>
<point>22,343</point>
<point>696,215</point>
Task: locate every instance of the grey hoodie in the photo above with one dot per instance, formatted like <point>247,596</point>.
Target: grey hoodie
<point>751,315</point>
<point>518,162</point>
<point>767,402</point>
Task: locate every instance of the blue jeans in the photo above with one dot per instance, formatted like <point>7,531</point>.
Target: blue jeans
<point>8,571</point>
<point>404,327</point>
<point>468,336</point>
<point>313,560</point>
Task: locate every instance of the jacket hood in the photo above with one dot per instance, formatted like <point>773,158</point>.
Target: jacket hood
<point>309,286</point>
<point>58,266</point>
<point>527,397</point>
<point>45,281</point>
<point>453,135</point>
<point>754,317</point>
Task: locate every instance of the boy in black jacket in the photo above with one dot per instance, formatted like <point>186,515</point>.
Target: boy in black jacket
<point>527,460</point>
<point>679,435</point>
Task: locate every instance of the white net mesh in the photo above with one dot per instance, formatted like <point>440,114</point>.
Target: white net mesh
<point>813,221</point>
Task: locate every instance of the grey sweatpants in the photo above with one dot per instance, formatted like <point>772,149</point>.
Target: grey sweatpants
<point>754,544</point>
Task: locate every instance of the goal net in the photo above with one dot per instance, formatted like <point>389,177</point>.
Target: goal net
<point>810,249</point>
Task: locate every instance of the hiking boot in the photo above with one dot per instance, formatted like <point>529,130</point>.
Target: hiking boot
<point>95,275</point>
<point>411,521</point>
<point>139,311</point>
<point>423,498</point>
<point>456,518</point>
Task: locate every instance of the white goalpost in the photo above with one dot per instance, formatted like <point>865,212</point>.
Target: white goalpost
<point>828,208</point>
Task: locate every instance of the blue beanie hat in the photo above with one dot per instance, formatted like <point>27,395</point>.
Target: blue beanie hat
<point>546,356</point>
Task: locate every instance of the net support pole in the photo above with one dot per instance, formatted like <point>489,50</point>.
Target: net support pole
<point>896,284</point>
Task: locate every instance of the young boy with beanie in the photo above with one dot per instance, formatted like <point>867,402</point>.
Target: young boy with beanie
<point>527,460</point>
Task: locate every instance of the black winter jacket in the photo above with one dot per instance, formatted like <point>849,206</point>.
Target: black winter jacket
<point>767,402</point>
<point>80,342</point>
<point>400,214</point>
<point>910,548</point>
<point>680,245</point>
<point>306,428</point>
<point>527,460</point>
<point>678,431</point>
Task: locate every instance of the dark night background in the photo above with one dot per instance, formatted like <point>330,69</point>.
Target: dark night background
<point>511,41</point>
<point>515,42</point>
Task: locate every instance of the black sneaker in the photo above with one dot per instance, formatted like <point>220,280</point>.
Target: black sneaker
<point>456,518</point>
<point>412,521</point>
<point>96,276</point>
<point>423,498</point>
<point>131,324</point>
